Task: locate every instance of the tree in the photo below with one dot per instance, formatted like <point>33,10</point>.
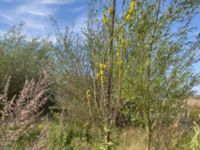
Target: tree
<point>152,45</point>
<point>107,48</point>
<point>159,74</point>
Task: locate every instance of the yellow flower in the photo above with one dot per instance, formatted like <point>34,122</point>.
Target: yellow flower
<point>101,72</point>
<point>123,42</point>
<point>102,66</point>
<point>118,59</point>
<point>117,54</point>
<point>131,10</point>
<point>105,19</point>
<point>128,16</point>
<point>103,78</point>
<point>110,10</point>
<point>97,75</point>
<point>133,4</point>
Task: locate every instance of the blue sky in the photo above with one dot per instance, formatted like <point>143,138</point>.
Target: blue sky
<point>36,16</point>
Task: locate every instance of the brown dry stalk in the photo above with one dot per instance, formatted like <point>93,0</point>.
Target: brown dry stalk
<point>20,113</point>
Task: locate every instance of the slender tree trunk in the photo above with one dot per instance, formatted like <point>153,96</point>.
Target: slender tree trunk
<point>110,69</point>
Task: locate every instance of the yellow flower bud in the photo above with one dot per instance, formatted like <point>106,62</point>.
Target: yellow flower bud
<point>88,94</point>
<point>128,16</point>
<point>123,42</point>
<point>110,10</point>
<point>105,19</point>
<point>131,10</point>
<point>118,59</point>
<point>102,66</point>
<point>97,75</point>
<point>117,54</point>
<point>103,78</point>
<point>101,72</point>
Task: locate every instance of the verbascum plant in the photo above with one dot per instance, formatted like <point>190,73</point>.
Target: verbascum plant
<point>130,11</point>
<point>105,20</point>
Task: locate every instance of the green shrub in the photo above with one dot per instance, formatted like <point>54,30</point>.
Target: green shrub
<point>21,58</point>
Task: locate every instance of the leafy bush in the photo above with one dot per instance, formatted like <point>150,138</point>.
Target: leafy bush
<point>21,58</point>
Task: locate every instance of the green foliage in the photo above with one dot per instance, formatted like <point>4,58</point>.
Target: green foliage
<point>158,74</point>
<point>137,62</point>
<point>156,57</point>
<point>21,58</point>
<point>30,137</point>
<point>63,135</point>
<point>72,71</point>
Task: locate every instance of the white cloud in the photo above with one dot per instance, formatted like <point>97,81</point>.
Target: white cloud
<point>42,1</point>
<point>35,14</point>
<point>6,18</point>
<point>34,9</point>
<point>78,9</point>
<point>57,1</point>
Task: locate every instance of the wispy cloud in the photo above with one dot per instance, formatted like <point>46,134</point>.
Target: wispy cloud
<point>78,9</point>
<point>34,9</point>
<point>32,14</point>
<point>57,1</point>
<point>43,1</point>
<point>35,14</point>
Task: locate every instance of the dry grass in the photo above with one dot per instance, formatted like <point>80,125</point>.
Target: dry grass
<point>193,102</point>
<point>132,139</point>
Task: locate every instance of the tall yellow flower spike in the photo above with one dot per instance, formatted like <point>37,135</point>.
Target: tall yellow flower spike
<point>117,54</point>
<point>102,66</point>
<point>118,59</point>
<point>123,41</point>
<point>102,72</point>
<point>97,75</point>
<point>131,10</point>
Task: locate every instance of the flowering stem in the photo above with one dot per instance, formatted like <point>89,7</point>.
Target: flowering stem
<point>110,69</point>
